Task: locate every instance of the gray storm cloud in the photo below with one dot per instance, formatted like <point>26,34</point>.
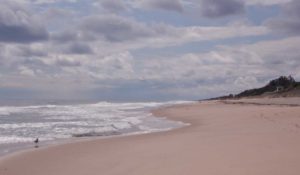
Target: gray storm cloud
<point>113,5</point>
<point>221,8</point>
<point>207,8</point>
<point>17,25</point>
<point>79,48</point>
<point>288,22</point>
<point>170,5</point>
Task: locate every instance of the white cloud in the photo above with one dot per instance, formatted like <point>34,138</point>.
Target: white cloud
<point>246,82</point>
<point>229,69</point>
<point>161,35</point>
<point>26,71</point>
<point>43,1</point>
<point>266,2</point>
<point>108,34</point>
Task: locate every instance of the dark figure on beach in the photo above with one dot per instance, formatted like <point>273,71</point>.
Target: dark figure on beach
<point>36,141</point>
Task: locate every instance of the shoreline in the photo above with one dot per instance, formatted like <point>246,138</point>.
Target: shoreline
<point>73,140</point>
<point>238,139</point>
<point>156,112</point>
<point>15,148</point>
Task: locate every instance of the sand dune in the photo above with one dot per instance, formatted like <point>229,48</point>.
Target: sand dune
<point>223,139</point>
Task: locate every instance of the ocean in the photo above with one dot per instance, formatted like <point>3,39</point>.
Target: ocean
<point>21,125</point>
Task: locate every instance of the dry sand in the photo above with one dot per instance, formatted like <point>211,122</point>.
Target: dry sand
<point>223,139</point>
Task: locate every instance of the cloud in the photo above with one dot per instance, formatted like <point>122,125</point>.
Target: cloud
<point>65,36</point>
<point>169,5</point>
<point>226,69</point>
<point>109,49</point>
<point>79,48</point>
<point>111,31</point>
<point>113,28</point>
<point>57,13</point>
<point>278,54</point>
<point>99,36</point>
<point>248,82</point>
<point>221,8</point>
<point>42,2</point>
<point>266,2</point>
<point>292,8</point>
<point>21,34</point>
<point>286,26</point>
<point>67,62</point>
<point>206,8</point>
<point>26,71</point>
<point>288,22</point>
<point>114,6</point>
<point>28,51</point>
<point>235,67</point>
<point>17,25</point>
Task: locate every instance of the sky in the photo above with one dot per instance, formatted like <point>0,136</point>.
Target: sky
<point>145,50</point>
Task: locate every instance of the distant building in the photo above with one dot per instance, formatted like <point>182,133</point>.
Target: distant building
<point>279,88</point>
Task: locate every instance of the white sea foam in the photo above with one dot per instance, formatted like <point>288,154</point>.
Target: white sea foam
<point>14,139</point>
<point>49,122</point>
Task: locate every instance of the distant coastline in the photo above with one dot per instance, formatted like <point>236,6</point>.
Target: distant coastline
<point>284,86</point>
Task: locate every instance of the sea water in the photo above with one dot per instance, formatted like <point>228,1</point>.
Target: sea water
<point>21,125</point>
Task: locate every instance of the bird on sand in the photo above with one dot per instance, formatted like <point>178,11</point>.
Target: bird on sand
<point>36,141</point>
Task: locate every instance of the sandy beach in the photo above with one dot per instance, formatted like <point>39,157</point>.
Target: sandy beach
<point>223,139</point>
